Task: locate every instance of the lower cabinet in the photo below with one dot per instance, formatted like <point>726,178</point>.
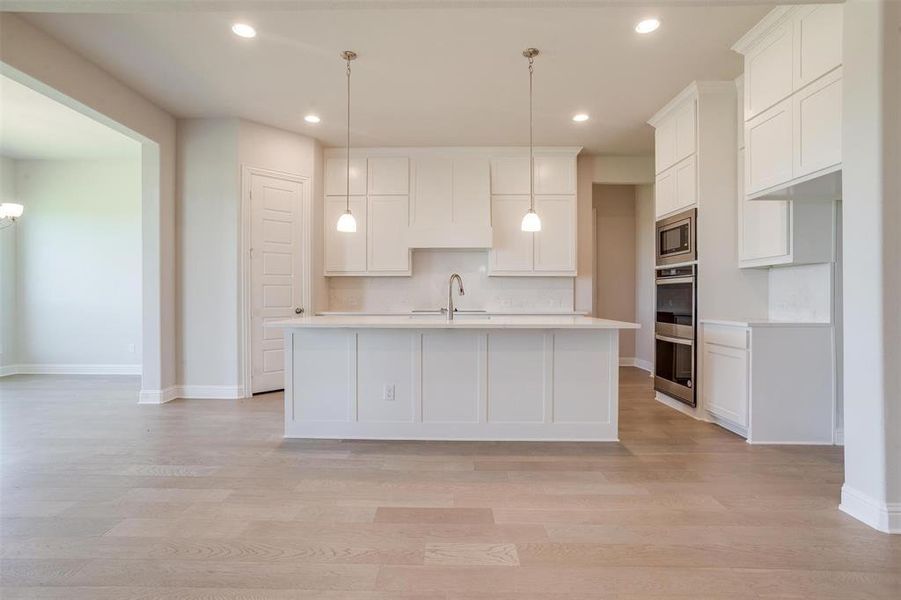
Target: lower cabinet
<point>549,252</point>
<point>770,382</point>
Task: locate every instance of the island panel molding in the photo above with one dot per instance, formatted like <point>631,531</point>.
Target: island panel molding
<point>510,378</point>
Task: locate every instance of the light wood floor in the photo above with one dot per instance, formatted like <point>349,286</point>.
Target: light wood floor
<point>103,499</point>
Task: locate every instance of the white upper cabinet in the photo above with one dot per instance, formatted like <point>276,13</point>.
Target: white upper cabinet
<point>512,249</point>
<point>817,41</point>
<point>336,176</point>
<point>675,143</point>
<point>768,70</point>
<point>675,137</point>
<point>555,174</point>
<point>685,119</point>
<point>510,175</point>
<point>387,250</point>
<point>389,175</point>
<point>768,140</point>
<point>345,253</point>
<point>793,103</point>
<point>817,113</point>
<point>554,247</point>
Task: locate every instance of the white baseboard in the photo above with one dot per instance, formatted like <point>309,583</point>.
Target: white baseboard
<point>631,361</point>
<point>885,517</point>
<point>158,396</point>
<point>70,370</point>
<point>211,392</point>
<point>839,437</point>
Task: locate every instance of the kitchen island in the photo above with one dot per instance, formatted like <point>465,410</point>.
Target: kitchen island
<point>422,377</point>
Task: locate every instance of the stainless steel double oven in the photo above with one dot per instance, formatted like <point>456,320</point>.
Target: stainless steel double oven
<point>676,307</point>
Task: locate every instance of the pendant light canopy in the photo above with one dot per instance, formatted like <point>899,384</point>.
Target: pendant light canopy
<point>346,222</point>
<point>531,222</point>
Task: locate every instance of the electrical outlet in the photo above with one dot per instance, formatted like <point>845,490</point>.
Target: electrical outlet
<point>388,392</point>
<point>131,348</point>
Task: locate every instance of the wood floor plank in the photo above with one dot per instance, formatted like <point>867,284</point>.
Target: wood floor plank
<point>104,499</point>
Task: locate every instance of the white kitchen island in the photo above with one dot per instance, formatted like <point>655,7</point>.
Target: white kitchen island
<point>474,378</point>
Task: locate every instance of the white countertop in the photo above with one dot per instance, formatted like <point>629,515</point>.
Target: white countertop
<point>465,321</point>
<point>762,323</point>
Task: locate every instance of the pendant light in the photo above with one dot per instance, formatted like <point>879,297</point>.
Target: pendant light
<point>347,223</point>
<point>531,222</point>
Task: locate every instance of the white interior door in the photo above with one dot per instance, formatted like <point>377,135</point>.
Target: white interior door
<point>275,273</point>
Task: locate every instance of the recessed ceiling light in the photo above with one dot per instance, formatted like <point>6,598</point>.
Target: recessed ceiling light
<point>244,30</point>
<point>647,26</point>
<point>312,119</point>
<point>579,118</point>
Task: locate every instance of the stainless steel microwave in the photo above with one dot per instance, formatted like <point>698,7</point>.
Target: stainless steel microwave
<point>676,238</point>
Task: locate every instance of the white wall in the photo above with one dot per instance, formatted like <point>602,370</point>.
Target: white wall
<point>645,258</point>
<point>7,269</point>
<point>871,182</point>
<point>30,56</point>
<point>211,154</point>
<point>427,287</point>
<point>79,263</point>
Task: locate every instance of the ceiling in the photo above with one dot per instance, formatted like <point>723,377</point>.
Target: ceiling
<point>33,126</point>
<point>425,76</point>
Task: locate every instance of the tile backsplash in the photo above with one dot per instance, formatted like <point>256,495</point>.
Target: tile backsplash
<point>427,287</point>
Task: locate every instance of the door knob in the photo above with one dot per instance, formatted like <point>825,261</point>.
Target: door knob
<point>298,311</point>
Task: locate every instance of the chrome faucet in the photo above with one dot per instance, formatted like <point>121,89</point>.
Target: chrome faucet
<point>450,294</point>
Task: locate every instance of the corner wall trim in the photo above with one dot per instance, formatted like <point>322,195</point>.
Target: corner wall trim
<point>158,396</point>
<point>64,369</point>
<point>885,517</point>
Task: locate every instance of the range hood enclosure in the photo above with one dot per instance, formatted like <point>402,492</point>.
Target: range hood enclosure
<point>450,206</point>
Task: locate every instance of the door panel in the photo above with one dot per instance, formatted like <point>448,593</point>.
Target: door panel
<point>555,244</point>
<point>512,248</point>
<point>387,240</point>
<point>818,125</point>
<point>768,139</point>
<point>345,252</point>
<point>275,276</point>
<point>768,71</point>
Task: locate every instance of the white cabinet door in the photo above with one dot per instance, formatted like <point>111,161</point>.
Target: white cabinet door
<point>665,145</point>
<point>555,175</point>
<point>389,175</point>
<point>471,191</point>
<point>433,192</point>
<point>763,227</point>
<point>817,116</point>
<point>725,382</point>
<point>512,248</point>
<point>555,244</point>
<point>387,249</point>
<point>768,70</point>
<point>768,143</point>
<point>510,175</point>
<point>818,42</point>
<point>345,252</point>
<point>665,193</point>
<point>686,175</point>
<point>686,127</point>
<point>336,177</point>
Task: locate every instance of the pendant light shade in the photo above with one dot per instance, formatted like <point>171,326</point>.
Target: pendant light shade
<point>346,222</point>
<point>531,222</point>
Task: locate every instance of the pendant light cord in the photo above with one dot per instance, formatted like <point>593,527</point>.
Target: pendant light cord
<point>348,135</point>
<point>531,148</point>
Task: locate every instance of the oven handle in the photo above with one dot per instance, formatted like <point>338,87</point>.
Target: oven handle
<point>674,280</point>
<point>672,340</point>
